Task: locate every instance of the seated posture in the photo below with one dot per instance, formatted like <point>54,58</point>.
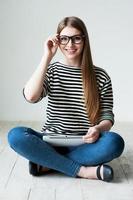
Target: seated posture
<point>80,102</point>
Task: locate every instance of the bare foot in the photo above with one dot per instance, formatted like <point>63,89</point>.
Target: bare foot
<point>89,172</point>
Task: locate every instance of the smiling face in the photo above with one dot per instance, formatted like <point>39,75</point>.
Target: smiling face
<point>73,48</point>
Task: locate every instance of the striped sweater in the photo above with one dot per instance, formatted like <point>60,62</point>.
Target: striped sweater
<point>66,111</point>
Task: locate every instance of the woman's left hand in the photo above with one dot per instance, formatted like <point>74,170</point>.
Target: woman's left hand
<point>92,135</point>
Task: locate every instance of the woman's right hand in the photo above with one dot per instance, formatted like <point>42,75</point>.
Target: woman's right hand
<point>51,46</point>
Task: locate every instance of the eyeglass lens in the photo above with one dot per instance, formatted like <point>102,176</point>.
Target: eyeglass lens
<point>76,39</point>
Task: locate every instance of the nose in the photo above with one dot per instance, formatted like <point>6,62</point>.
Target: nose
<point>70,43</point>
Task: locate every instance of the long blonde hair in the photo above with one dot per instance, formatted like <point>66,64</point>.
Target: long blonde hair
<point>91,94</point>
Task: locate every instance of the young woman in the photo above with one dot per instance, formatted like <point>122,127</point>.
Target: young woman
<point>80,102</point>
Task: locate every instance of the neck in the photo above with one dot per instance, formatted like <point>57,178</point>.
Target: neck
<point>72,62</point>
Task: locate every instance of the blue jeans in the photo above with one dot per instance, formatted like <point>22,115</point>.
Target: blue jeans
<point>68,160</point>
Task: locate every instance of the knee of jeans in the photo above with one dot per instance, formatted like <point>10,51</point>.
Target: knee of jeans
<point>14,135</point>
<point>117,143</point>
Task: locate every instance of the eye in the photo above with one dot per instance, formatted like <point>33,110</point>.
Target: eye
<point>63,39</point>
<point>77,38</point>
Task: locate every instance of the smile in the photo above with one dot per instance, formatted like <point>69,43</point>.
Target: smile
<point>71,50</point>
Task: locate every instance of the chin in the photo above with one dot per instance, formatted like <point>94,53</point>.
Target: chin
<point>72,56</point>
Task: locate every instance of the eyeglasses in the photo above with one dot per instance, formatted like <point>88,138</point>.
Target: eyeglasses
<point>76,39</point>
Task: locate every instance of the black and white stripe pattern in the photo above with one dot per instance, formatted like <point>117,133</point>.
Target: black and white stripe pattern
<point>66,112</point>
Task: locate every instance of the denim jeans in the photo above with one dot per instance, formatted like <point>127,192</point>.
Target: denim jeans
<point>68,160</point>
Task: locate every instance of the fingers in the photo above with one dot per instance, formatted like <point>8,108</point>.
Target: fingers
<point>92,139</point>
<point>53,40</point>
<point>92,135</point>
<point>51,46</point>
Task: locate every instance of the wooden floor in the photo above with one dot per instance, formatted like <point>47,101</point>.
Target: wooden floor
<point>17,184</point>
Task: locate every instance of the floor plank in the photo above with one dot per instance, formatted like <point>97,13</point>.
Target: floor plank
<point>41,193</point>
<point>8,160</point>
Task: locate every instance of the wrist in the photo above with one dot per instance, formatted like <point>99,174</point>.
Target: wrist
<point>46,59</point>
<point>98,128</point>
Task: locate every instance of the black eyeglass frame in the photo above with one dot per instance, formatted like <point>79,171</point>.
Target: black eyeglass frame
<point>71,38</point>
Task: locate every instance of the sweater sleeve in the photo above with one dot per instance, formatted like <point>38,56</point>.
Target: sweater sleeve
<point>106,101</point>
<point>46,85</point>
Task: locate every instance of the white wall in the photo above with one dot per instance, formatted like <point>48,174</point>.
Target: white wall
<point>26,24</point>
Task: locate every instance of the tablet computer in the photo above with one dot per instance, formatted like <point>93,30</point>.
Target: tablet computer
<point>64,140</point>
